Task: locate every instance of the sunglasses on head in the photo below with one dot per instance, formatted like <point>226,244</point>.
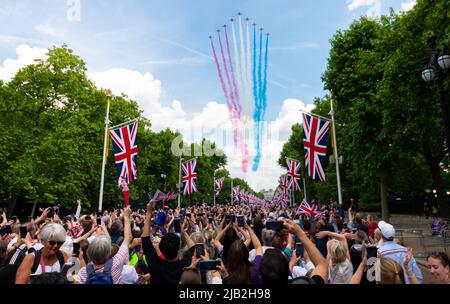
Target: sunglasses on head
<point>53,243</point>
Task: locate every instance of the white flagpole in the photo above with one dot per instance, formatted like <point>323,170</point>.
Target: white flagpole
<point>336,157</point>
<point>100,201</point>
<point>179,184</point>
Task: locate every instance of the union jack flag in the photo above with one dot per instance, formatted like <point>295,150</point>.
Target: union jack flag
<point>125,151</point>
<point>293,172</point>
<point>307,209</point>
<point>164,197</point>
<point>189,176</point>
<point>236,193</point>
<point>242,195</point>
<point>159,196</point>
<point>219,184</point>
<point>171,196</point>
<point>315,139</point>
<point>282,197</point>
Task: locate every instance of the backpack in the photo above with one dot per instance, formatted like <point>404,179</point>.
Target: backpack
<point>37,260</point>
<point>104,277</point>
<point>16,257</point>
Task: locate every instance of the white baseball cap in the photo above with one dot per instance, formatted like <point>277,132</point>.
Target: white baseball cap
<point>387,230</point>
<point>129,275</point>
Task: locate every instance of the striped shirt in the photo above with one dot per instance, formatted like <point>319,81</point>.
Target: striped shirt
<point>393,251</point>
<point>119,261</point>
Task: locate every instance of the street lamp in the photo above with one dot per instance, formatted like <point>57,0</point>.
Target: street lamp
<point>434,67</point>
<point>164,176</point>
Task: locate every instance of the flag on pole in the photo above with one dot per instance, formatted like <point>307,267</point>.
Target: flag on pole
<point>219,184</point>
<point>236,193</point>
<point>189,176</point>
<point>125,151</point>
<point>315,139</point>
<point>294,173</point>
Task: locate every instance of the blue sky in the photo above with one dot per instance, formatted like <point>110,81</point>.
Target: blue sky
<point>169,41</point>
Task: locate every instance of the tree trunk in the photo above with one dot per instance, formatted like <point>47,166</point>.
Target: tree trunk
<point>383,196</point>
<point>437,184</point>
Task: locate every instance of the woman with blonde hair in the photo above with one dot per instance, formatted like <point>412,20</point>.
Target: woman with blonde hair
<point>390,272</point>
<point>340,268</point>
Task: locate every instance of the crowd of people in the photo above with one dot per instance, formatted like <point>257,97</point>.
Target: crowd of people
<point>203,244</point>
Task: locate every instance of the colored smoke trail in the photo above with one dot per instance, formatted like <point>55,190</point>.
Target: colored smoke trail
<point>235,112</point>
<point>243,64</point>
<point>255,81</point>
<point>222,82</point>
<point>233,78</point>
<point>264,90</point>
<point>240,86</point>
<point>263,104</point>
<point>248,79</point>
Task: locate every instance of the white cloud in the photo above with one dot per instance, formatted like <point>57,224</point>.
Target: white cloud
<point>406,6</point>
<point>355,4</point>
<point>140,87</point>
<point>25,56</point>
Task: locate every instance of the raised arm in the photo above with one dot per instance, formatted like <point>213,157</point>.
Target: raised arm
<point>321,268</point>
<point>341,237</point>
<point>146,231</point>
<point>185,235</point>
<point>356,279</point>
<point>126,226</point>
<point>255,241</point>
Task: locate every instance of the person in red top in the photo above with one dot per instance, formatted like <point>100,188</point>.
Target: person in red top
<point>372,224</point>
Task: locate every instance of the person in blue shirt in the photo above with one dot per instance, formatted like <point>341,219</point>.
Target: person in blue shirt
<point>398,253</point>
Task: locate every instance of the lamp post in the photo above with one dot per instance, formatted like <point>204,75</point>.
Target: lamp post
<point>434,68</point>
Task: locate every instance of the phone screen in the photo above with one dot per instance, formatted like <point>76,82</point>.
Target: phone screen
<point>200,249</point>
<point>76,248</point>
<point>276,225</point>
<point>176,225</point>
<point>372,252</point>
<point>299,249</point>
<point>8,229</point>
<point>209,265</point>
<point>99,220</point>
<point>240,220</point>
<point>23,232</point>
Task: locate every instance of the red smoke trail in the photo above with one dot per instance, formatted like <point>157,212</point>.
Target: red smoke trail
<point>236,93</point>
<point>236,113</point>
<point>222,82</point>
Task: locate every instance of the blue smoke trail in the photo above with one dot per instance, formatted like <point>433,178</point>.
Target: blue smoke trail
<point>264,94</point>
<point>255,81</point>
<point>258,113</point>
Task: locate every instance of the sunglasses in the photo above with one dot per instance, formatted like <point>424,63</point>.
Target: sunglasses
<point>53,243</point>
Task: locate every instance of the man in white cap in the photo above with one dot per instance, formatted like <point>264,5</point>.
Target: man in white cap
<point>392,250</point>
